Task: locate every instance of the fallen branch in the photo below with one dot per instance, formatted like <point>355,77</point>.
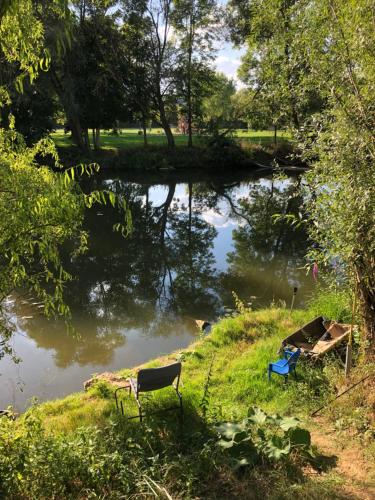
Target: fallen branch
<point>339,396</point>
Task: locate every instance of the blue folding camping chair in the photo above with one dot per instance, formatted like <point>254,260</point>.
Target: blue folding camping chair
<point>285,365</point>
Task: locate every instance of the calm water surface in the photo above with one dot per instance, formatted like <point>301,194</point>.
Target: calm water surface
<point>192,244</point>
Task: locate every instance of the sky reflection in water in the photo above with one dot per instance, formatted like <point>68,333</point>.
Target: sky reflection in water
<point>133,299</point>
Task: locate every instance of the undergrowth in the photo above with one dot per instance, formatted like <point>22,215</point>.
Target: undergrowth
<point>81,447</point>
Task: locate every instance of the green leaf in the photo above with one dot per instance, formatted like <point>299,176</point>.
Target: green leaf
<point>287,423</point>
<point>225,444</point>
<point>257,416</point>
<point>229,429</point>
<point>299,437</point>
<point>112,198</point>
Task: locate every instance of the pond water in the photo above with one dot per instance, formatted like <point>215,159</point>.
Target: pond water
<point>193,243</point>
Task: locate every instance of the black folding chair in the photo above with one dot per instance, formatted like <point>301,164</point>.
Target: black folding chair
<point>153,379</point>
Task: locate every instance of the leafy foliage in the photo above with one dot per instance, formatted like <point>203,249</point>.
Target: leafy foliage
<point>39,209</point>
<point>274,66</point>
<point>341,146</point>
<point>263,437</point>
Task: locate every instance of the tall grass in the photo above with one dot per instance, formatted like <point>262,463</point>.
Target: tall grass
<point>332,304</point>
<point>81,447</point>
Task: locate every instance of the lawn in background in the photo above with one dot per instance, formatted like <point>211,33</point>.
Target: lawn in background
<point>129,138</point>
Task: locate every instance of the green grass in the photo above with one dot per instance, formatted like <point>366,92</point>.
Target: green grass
<point>129,138</point>
<point>80,446</point>
<point>262,137</point>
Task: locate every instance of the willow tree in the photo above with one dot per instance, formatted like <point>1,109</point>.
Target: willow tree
<point>39,209</point>
<point>328,51</point>
<point>340,42</point>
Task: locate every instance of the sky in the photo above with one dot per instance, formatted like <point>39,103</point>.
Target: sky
<point>228,57</point>
<point>228,61</point>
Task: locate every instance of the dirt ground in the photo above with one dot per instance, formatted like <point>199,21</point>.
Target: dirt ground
<point>350,463</point>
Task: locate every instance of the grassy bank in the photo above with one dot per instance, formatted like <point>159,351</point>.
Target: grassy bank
<point>129,138</point>
<point>127,151</point>
<point>80,447</point>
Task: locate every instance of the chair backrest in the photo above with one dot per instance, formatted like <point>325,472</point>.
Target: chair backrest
<point>292,361</point>
<point>151,379</point>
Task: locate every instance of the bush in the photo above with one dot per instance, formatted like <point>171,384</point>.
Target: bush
<point>223,151</point>
<point>332,304</point>
<point>263,437</point>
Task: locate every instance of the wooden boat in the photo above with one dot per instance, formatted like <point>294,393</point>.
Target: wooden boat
<point>318,337</point>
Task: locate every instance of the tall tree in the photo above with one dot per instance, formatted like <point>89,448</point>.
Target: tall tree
<point>275,63</point>
<point>98,87</point>
<point>163,60</point>
<point>341,146</point>
<point>136,73</point>
<point>196,22</point>
<point>85,75</point>
<point>218,106</point>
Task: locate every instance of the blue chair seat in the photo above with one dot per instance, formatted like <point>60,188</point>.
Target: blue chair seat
<point>285,365</point>
<point>281,367</point>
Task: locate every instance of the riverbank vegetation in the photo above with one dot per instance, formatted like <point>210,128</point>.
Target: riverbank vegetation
<point>94,66</point>
<point>88,449</point>
<point>125,150</point>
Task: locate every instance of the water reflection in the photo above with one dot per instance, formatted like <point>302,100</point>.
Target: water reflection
<point>132,299</point>
<point>268,257</point>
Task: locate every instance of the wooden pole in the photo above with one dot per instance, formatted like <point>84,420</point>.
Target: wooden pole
<point>295,290</point>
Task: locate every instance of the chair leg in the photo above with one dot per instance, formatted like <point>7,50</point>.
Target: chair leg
<point>285,379</point>
<point>119,404</point>
<point>269,372</point>
<point>181,410</point>
<point>180,400</point>
<point>295,374</point>
<point>139,409</point>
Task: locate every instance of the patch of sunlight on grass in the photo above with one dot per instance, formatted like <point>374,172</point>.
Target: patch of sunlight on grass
<point>129,138</point>
<point>241,348</point>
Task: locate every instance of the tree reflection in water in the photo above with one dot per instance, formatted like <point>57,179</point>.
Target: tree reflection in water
<point>164,275</point>
<point>269,254</point>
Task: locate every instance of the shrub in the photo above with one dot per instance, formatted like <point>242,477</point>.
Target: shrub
<point>332,304</point>
<point>262,437</point>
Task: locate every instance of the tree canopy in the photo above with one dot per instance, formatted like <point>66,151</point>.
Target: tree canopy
<point>308,66</point>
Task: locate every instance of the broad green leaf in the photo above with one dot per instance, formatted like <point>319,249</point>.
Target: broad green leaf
<point>299,437</point>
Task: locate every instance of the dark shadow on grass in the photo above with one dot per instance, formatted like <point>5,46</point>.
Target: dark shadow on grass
<point>324,463</point>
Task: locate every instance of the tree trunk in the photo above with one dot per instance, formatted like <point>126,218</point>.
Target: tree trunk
<point>366,292</point>
<point>164,122</point>
<point>144,131</point>
<point>96,138</point>
<point>191,280</point>
<point>77,132</point>
<point>290,84</point>
<point>189,103</point>
<point>164,216</point>
<point>86,139</point>
<point>71,110</point>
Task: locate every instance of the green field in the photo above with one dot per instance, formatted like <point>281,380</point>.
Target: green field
<point>129,138</point>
